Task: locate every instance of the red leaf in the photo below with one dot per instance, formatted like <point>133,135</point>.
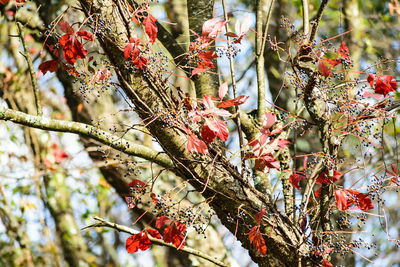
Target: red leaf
<point>154,198</point>
<point>269,119</point>
<point>266,161</point>
<point>132,50</point>
<point>231,34</point>
<point>207,134</point>
<point>140,62</point>
<point>219,128</point>
<point>318,192</point>
<point>131,203</point>
<point>72,49</point>
<point>206,58</point>
<point>233,102</point>
<point>324,70</point>
<point>369,94</point>
<point>344,51</point>
<point>257,240</point>
<point>151,27</point>
<point>332,62</point>
<point>385,84</point>
<point>346,197</point>
<point>81,52</point>
<point>223,89</point>
<point>161,221</point>
<point>195,144</point>
<point>139,241</point>
<point>324,179</point>
<point>362,201</point>
<point>197,71</point>
<point>342,199</point>
<point>65,27</point>
<point>212,29</point>
<point>212,110</point>
<point>64,39</point>
<point>101,75</point>
<point>371,79</point>
<point>173,233</point>
<point>260,215</point>
<point>47,66</point>
<point>59,154</point>
<point>153,233</point>
<point>85,35</point>
<point>295,179</point>
<point>326,263</point>
<point>137,184</point>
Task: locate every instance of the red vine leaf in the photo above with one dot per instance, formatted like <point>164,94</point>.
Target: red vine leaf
<point>173,233</point>
<point>154,198</point>
<point>151,27</point>
<point>218,127</point>
<point>257,240</point>
<point>223,89</point>
<point>233,102</point>
<point>324,179</point>
<point>47,66</point>
<point>324,70</point>
<point>212,29</point>
<point>344,51</point>
<point>326,263</point>
<point>153,233</point>
<point>72,47</point>
<point>295,179</point>
<point>137,184</point>
<point>139,241</point>
<point>59,154</point>
<point>260,215</point>
<point>346,197</point>
<point>195,144</point>
<point>207,134</point>
<point>198,70</point>
<point>161,221</point>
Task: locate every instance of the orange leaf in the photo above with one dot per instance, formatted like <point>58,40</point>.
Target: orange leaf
<point>257,240</point>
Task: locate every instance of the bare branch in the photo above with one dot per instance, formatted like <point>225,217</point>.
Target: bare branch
<point>233,76</point>
<point>317,20</point>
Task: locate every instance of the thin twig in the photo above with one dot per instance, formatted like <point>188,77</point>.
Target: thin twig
<point>160,242</point>
<point>31,70</point>
<point>317,20</point>
<point>233,76</point>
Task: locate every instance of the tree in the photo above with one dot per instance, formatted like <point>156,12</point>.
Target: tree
<point>285,179</point>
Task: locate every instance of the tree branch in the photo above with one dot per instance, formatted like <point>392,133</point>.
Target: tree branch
<point>31,70</point>
<point>260,45</point>
<point>306,27</point>
<point>160,242</point>
<point>317,20</point>
<point>90,131</point>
